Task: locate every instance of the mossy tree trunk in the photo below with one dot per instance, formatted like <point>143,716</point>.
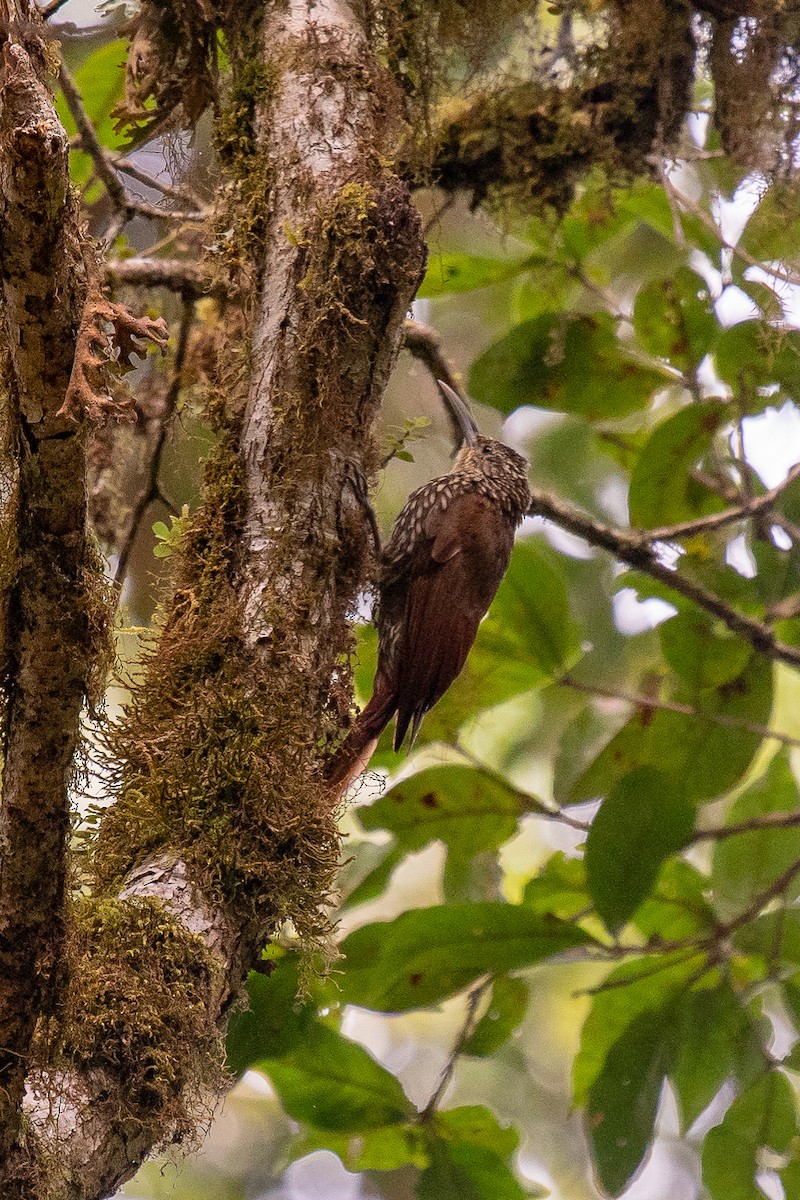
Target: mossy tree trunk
<point>223,827</point>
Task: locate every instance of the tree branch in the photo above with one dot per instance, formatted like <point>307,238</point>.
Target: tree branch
<point>221,742</point>
<point>645,703</point>
<point>754,506</point>
<point>151,491</point>
<point>176,274</point>
<point>51,618</point>
<point>104,163</point>
<point>635,549</point>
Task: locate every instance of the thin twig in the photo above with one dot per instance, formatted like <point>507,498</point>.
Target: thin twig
<point>90,141</point>
<point>426,345</point>
<point>153,492</point>
<point>104,165</point>
<point>771,820</point>
<point>186,278</point>
<point>635,549</point>
<point>776,889</point>
<point>466,1031</point>
<point>175,191</point>
<point>652,702</point>
<point>530,805</point>
<point>777,270</point>
<point>739,512</point>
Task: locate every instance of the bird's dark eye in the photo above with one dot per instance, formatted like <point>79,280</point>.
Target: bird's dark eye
<point>487,449</point>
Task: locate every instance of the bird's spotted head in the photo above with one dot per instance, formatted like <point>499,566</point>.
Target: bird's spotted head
<point>497,470</point>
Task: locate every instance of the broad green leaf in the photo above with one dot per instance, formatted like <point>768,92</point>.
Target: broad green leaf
<point>662,490</point>
<point>622,1102</point>
<point>773,231</point>
<point>466,272</point>
<point>475,1125</point>
<point>101,81</point>
<point>332,1083</point>
<point>703,651</point>
<point>576,365</point>
<point>383,1149</point>
<point>469,1158</point>
<point>427,954</point>
<point>790,1178</point>
<point>507,1008</point>
<point>709,757</point>
<point>763,1115</point>
<point>628,749</point>
<point>745,865</point>
<point>273,1023</point>
<point>559,888</point>
<point>467,809</point>
<point>645,985</point>
<point>715,1040</point>
<point>678,907</point>
<point>459,1171</point>
<point>674,319</point>
<point>643,820</point>
<point>773,937</point>
<point>754,354</point>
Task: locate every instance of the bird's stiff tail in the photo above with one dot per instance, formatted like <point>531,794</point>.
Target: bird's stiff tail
<point>357,749</point>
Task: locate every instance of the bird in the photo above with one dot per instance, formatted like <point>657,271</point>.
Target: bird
<point>439,572</point>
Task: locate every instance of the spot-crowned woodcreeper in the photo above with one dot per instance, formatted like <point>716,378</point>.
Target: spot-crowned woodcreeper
<point>449,550</point>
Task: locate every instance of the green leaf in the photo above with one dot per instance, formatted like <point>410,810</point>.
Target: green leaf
<point>710,758</point>
<point>475,1125</point>
<point>678,908</point>
<point>715,1040</point>
<point>467,809</point>
<point>662,490</point>
<point>642,986</point>
<point>763,1115</point>
<point>703,651</point>
<point>745,865</point>
<point>790,1178</point>
<point>674,319</point>
<point>101,82</point>
<point>507,1008</point>
<point>383,1149</point>
<point>559,888</point>
<point>469,1158</point>
<point>460,1171</point>
<point>773,937</point>
<point>622,1102</point>
<point>274,1021</point>
<point>428,953</point>
<point>576,365</point>
<point>332,1083</point>
<point>465,272</point>
<point>755,354</point>
<point>773,231</point>
<point>644,819</point>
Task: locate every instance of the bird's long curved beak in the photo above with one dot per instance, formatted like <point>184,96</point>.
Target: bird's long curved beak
<point>460,411</point>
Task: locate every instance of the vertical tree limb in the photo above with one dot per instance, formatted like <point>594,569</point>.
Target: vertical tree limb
<point>340,253</point>
<point>48,634</point>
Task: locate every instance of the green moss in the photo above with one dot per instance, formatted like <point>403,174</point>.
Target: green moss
<point>137,1007</point>
<point>235,136</point>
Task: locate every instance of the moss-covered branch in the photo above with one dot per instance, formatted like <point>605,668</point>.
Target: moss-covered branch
<point>53,625</point>
<point>223,829</point>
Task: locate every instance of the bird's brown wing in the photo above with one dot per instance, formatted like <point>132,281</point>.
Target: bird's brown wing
<point>454,573</point>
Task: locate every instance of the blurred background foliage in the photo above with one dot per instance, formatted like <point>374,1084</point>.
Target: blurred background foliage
<point>570,944</point>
